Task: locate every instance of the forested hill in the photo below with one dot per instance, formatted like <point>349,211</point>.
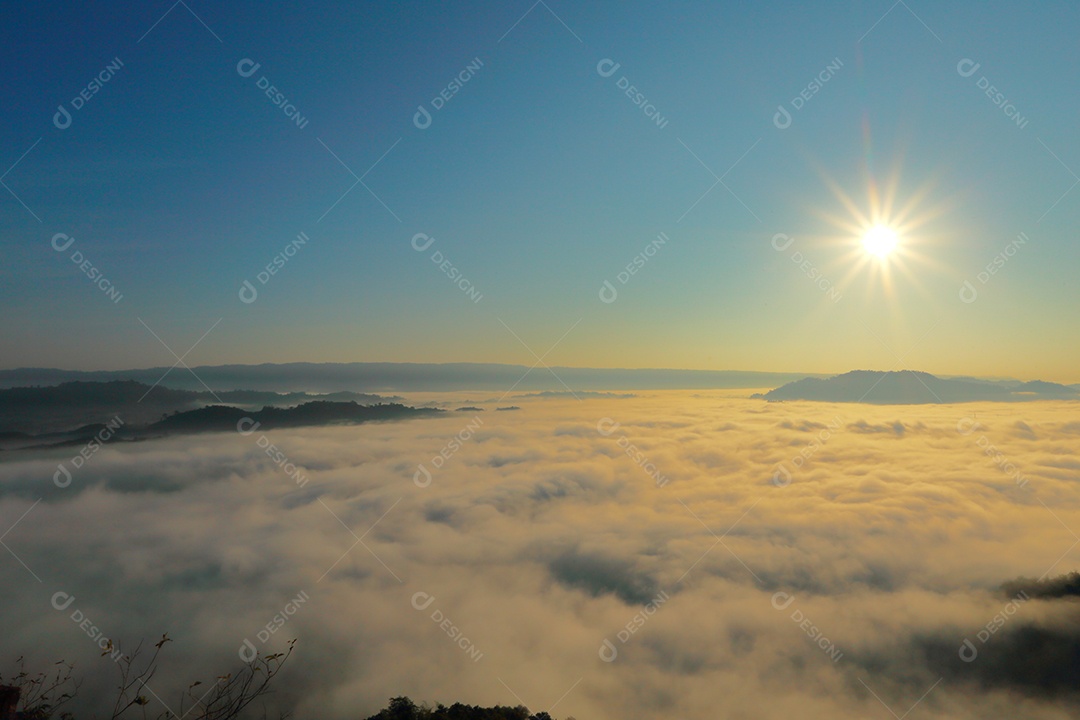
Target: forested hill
<point>402,708</point>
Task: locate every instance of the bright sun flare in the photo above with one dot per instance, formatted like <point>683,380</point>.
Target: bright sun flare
<point>879,241</point>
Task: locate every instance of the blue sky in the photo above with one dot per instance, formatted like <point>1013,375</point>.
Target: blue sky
<point>539,180</point>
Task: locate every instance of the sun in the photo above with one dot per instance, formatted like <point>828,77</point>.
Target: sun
<point>880,241</point>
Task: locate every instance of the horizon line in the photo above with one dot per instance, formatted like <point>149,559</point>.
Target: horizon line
<point>521,365</point>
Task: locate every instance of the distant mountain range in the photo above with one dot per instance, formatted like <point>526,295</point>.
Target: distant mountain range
<point>405,377</point>
<point>71,404</point>
<point>910,387</point>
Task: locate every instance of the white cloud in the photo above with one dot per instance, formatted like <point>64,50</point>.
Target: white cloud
<point>540,537</point>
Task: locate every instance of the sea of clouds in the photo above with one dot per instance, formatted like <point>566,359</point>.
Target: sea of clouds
<point>674,554</point>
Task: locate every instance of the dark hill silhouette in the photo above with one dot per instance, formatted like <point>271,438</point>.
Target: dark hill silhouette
<point>1047,389</point>
<point>910,387</point>
<point>1059,587</point>
<point>225,417</point>
<point>402,708</point>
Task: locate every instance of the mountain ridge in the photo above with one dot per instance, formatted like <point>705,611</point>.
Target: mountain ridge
<point>402,377</point>
<point>912,387</point>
